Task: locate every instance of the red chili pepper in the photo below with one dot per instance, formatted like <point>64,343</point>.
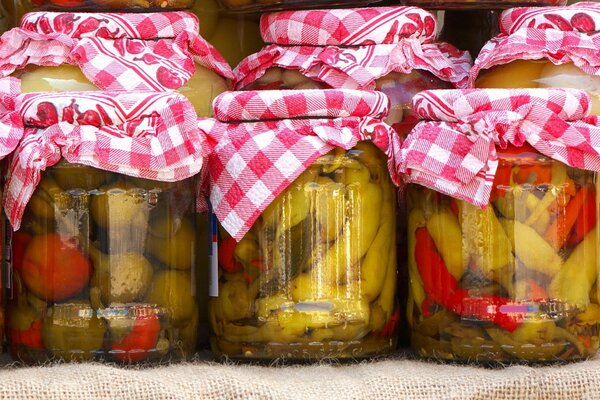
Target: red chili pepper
<point>586,220</point>
<point>390,326</point>
<point>227,259</point>
<point>443,289</point>
<point>142,338</point>
<point>559,230</point>
<point>501,180</point>
<point>30,338</point>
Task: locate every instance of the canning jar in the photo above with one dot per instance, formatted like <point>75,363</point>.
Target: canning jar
<point>543,48</point>
<point>391,49</point>
<point>480,4</point>
<point>502,231</point>
<point>305,221</point>
<point>234,35</point>
<point>102,257</point>
<point>115,52</point>
<point>103,5</point>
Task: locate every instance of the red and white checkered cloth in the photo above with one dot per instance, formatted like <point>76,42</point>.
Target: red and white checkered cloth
<point>147,51</point>
<point>352,48</point>
<point>151,135</point>
<point>559,34</point>
<point>266,139</point>
<point>453,150</point>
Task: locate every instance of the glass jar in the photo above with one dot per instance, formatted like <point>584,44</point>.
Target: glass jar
<point>103,267</point>
<point>502,271</point>
<point>210,76</point>
<point>275,5</point>
<point>541,74</point>
<point>479,4</point>
<point>235,36</point>
<point>304,264</point>
<point>532,252</point>
<point>301,56</point>
<point>315,276</point>
<point>513,59</point>
<point>105,5</point>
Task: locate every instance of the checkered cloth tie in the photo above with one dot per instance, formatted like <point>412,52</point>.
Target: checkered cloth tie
<point>453,151</point>
<point>151,135</point>
<point>154,51</point>
<point>354,47</point>
<point>559,34</point>
<point>266,139</point>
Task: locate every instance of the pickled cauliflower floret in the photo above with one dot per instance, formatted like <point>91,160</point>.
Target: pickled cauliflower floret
<point>122,278</point>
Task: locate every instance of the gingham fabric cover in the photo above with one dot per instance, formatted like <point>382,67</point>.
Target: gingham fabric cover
<point>453,151</point>
<point>146,51</point>
<point>151,135</point>
<point>352,48</point>
<point>260,151</point>
<point>559,34</point>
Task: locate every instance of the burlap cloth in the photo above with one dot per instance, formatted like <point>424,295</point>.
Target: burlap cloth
<point>397,378</point>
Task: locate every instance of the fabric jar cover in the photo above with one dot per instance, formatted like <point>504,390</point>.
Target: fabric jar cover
<point>352,48</point>
<point>150,135</point>
<point>266,139</point>
<point>453,151</point>
<point>559,34</point>
<point>145,51</point>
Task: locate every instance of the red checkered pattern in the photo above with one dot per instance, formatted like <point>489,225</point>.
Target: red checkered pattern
<point>454,150</point>
<point>273,104</point>
<point>348,27</point>
<point>150,135</point>
<point>255,160</point>
<point>580,17</point>
<point>138,52</point>
<point>352,48</point>
<point>11,124</point>
<point>559,34</point>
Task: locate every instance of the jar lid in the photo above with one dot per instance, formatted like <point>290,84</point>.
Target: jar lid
<point>151,51</point>
<point>349,27</point>
<point>150,135</point>
<point>257,105</point>
<point>166,25</point>
<point>354,47</point>
<point>581,17</point>
<point>560,35</point>
<point>266,139</point>
<point>453,150</point>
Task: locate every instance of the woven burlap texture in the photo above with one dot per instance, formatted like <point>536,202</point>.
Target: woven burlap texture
<point>390,379</point>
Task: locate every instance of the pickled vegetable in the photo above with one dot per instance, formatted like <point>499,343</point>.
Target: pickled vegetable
<point>88,281</point>
<point>399,87</point>
<point>110,5</point>
<point>486,4</point>
<point>524,283</point>
<point>316,275</point>
<point>541,74</point>
<point>200,89</point>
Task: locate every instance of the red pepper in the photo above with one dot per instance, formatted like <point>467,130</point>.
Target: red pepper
<point>31,337</point>
<point>142,338</point>
<point>20,241</point>
<point>586,220</point>
<point>443,289</point>
<point>389,329</point>
<point>227,259</point>
<point>501,180</point>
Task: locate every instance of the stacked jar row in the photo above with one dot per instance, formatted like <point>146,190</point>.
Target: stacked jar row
<point>302,182</point>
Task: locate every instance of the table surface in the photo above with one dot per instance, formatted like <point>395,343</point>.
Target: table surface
<point>394,378</point>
